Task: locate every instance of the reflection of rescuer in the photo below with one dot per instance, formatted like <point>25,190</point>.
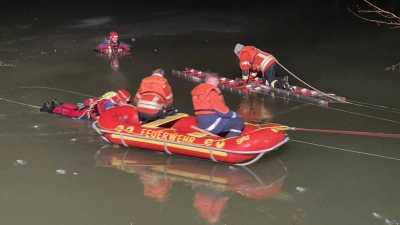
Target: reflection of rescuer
<point>114,62</point>
<point>211,112</point>
<point>113,45</point>
<point>209,203</point>
<point>252,108</point>
<point>253,60</point>
<point>156,187</point>
<point>154,98</point>
<point>90,108</point>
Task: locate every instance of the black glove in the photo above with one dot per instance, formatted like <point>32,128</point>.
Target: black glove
<point>172,111</point>
<point>242,82</point>
<point>163,113</point>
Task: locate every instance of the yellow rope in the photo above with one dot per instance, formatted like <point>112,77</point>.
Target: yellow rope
<point>107,95</point>
<point>279,127</point>
<point>273,128</point>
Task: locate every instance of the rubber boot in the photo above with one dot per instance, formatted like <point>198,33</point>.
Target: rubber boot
<point>46,108</point>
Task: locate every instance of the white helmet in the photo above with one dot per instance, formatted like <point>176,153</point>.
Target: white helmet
<point>237,49</point>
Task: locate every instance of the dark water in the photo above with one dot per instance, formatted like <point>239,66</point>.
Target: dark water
<point>56,170</point>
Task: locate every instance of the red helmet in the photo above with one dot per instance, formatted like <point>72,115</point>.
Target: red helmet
<point>123,95</point>
<point>113,34</point>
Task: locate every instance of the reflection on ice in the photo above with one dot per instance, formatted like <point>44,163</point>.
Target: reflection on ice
<point>20,162</point>
<point>6,64</point>
<point>387,221</point>
<point>61,171</point>
<point>391,222</point>
<point>378,216</point>
<point>301,189</point>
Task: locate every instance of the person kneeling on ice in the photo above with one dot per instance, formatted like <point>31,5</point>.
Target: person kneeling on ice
<point>113,45</point>
<point>90,108</point>
<point>210,109</point>
<point>253,60</point>
<point>154,98</point>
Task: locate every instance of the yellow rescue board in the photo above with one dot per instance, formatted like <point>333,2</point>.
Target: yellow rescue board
<point>165,120</point>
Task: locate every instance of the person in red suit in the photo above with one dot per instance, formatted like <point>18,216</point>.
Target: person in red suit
<point>113,50</point>
<point>211,112</point>
<point>90,108</point>
<point>154,98</point>
<point>113,45</point>
<point>253,60</point>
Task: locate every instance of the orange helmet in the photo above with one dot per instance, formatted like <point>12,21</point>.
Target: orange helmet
<point>123,95</point>
<point>113,34</point>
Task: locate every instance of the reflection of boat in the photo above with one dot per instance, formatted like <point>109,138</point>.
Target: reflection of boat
<point>175,134</point>
<point>213,183</point>
<point>298,93</point>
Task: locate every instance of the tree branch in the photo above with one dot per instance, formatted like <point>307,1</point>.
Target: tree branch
<point>389,18</point>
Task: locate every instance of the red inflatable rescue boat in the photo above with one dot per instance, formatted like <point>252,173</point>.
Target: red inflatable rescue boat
<point>175,134</point>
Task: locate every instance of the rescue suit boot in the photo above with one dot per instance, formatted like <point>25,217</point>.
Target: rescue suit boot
<point>46,108</point>
<point>55,103</point>
<point>285,83</point>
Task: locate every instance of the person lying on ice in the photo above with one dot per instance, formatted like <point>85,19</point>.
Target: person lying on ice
<point>211,112</point>
<point>90,108</point>
<point>253,60</point>
<point>113,45</point>
<point>154,98</point>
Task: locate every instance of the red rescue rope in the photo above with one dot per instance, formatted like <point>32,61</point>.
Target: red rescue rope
<point>349,132</point>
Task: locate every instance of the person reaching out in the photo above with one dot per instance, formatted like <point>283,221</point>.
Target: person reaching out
<point>253,60</point>
<point>90,108</point>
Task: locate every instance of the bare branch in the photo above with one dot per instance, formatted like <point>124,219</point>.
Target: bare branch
<point>389,18</point>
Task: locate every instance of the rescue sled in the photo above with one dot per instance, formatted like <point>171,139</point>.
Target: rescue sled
<point>298,93</point>
<point>178,134</point>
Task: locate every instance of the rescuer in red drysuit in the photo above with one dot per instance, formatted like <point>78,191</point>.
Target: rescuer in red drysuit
<point>113,45</point>
<point>90,108</point>
<point>253,60</point>
<point>113,50</point>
